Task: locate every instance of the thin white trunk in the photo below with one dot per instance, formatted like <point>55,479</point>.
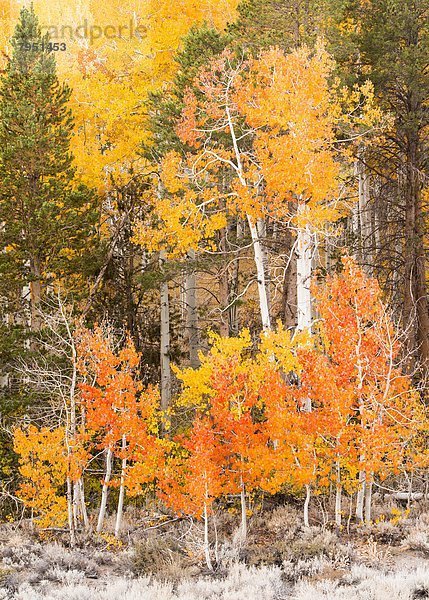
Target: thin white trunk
<point>243,528</point>
<point>73,488</point>
<point>83,510</point>
<point>216,546</point>
<point>121,490</point>
<point>368,499</point>
<point>165,345</point>
<point>70,516</point>
<point>260,271</point>
<point>206,539</point>
<point>306,505</point>
<point>360,497</point>
<point>364,209</point>
<point>338,496</point>
<point>105,490</point>
<point>261,226</point>
<point>257,247</point>
<point>76,503</point>
<point>303,277</point>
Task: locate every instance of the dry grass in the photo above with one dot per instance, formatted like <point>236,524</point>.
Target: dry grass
<point>282,561</point>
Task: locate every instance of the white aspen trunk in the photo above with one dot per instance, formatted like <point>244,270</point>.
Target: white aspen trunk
<point>74,489</point>
<point>349,520</point>
<point>303,277</point>
<point>261,226</point>
<point>206,539</point>
<point>216,546</point>
<point>368,499</point>
<point>105,490</point>
<point>306,505</point>
<point>364,209</point>
<point>338,496</point>
<point>260,270</point>
<point>303,282</point>
<point>120,510</point>
<point>83,510</point>
<point>76,503</point>
<point>243,528</point>
<point>72,530</point>
<point>192,314</point>
<point>257,247</point>
<point>165,345</point>
<point>360,497</point>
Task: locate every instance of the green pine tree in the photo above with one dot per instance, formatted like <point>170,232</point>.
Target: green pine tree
<point>47,218</point>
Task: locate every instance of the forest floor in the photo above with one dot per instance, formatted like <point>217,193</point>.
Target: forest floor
<point>157,560</point>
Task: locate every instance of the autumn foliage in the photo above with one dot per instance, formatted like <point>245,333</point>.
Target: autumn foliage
<point>299,413</point>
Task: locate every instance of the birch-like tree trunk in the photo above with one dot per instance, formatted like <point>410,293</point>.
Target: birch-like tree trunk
<point>258,252</point>
<point>260,272</point>
<point>206,539</point>
<point>368,499</point>
<point>365,220</point>
<point>360,499</point>
<point>338,500</point>
<point>261,226</point>
<point>79,501</point>
<point>69,495</point>
<point>289,308</point>
<point>121,498</point>
<point>306,505</point>
<point>165,343</point>
<point>243,527</point>
<point>304,248</point>
<point>105,490</point>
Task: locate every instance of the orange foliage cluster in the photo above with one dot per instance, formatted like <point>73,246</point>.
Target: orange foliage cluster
<point>302,412</point>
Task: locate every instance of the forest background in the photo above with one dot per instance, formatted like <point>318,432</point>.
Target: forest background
<point>214,279</point>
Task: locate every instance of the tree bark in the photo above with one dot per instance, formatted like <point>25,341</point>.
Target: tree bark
<point>165,344</point>
<point>243,528</point>
<point>365,223</point>
<point>105,490</point>
<point>306,505</point>
<point>360,497</point>
<point>338,497</point>
<point>289,308</point>
<point>260,270</point>
<point>303,281</point>
<point>368,499</point>
<point>121,498</point>
<point>416,306</point>
<point>72,530</point>
<point>206,539</point>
